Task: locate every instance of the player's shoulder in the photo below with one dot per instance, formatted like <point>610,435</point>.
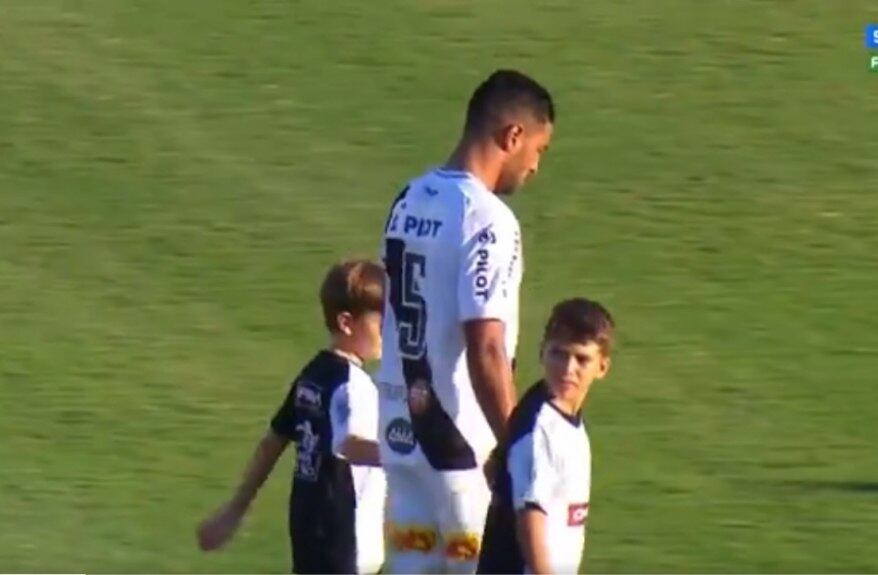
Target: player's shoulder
<point>447,191</point>
<point>454,185</point>
<point>483,206</point>
<point>462,198</point>
<point>489,218</point>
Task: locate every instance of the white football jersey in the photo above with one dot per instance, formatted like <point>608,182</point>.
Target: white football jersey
<point>548,467</point>
<point>453,253</point>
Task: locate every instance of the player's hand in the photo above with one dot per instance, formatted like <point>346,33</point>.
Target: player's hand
<point>216,530</point>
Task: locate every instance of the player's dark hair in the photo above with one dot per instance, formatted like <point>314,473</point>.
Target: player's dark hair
<point>581,320</point>
<point>354,286</point>
<point>507,91</point>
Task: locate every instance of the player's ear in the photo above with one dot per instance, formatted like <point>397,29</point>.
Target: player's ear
<point>511,137</point>
<point>345,323</point>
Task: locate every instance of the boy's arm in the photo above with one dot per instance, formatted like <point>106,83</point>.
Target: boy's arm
<point>534,480</point>
<point>531,531</point>
<point>353,413</point>
<point>267,452</point>
<point>360,451</point>
<point>217,529</point>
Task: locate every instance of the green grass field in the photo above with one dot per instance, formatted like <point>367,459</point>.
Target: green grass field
<point>175,176</point>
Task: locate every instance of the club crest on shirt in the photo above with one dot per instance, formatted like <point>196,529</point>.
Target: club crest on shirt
<point>308,397</point>
<point>419,396</point>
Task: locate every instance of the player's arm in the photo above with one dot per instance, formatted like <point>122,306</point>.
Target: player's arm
<point>534,479</point>
<point>531,532</point>
<point>484,296</point>
<point>354,418</point>
<point>490,371</point>
<point>217,529</point>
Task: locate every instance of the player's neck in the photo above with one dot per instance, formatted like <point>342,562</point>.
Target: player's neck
<point>475,158</point>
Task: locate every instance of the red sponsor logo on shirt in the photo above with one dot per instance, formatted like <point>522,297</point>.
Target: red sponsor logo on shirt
<point>577,514</point>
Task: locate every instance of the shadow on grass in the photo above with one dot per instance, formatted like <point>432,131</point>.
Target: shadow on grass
<point>836,485</point>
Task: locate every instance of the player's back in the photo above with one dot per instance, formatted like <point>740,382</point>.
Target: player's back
<point>453,253</point>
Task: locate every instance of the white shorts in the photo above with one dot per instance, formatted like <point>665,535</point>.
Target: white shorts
<point>435,519</point>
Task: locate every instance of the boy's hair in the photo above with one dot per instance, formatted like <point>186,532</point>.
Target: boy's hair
<point>353,286</point>
<point>581,320</point>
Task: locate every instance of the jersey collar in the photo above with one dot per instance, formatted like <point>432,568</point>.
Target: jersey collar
<point>345,356</point>
<point>574,420</point>
<point>443,172</point>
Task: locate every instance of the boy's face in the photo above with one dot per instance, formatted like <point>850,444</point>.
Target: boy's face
<point>366,335</point>
<point>571,366</point>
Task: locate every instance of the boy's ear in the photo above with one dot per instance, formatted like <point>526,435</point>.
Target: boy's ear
<point>344,322</point>
<point>605,366</point>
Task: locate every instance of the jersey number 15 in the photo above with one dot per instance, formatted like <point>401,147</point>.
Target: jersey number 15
<point>407,271</point>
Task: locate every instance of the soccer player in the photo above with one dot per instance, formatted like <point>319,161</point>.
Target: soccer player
<point>536,523</point>
<point>331,412</point>
<point>452,252</point>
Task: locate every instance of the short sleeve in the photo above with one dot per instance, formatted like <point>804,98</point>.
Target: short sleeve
<point>353,411</point>
<point>284,421</point>
<point>486,262</point>
<point>532,471</point>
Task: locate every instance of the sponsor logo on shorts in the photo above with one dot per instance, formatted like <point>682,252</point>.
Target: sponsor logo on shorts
<point>577,513</point>
<point>308,396</point>
<point>400,436</point>
<point>405,538</point>
<point>462,546</point>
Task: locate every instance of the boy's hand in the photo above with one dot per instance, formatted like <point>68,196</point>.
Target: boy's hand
<point>216,530</point>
